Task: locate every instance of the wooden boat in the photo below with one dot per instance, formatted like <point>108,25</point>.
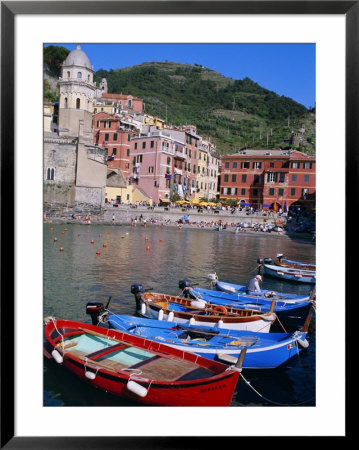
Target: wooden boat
<point>264,350</point>
<point>291,312</point>
<point>198,312</point>
<point>139,369</point>
<point>287,273</point>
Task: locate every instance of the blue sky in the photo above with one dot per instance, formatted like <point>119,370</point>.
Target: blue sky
<point>287,69</point>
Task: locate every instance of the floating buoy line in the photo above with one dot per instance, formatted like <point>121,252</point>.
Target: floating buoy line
<point>271,401</point>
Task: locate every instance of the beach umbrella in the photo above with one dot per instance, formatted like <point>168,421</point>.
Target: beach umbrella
<point>194,201</point>
<point>285,207</point>
<point>275,206</point>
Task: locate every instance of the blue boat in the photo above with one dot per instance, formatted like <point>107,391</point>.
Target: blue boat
<point>289,263</point>
<point>290,274</point>
<point>291,310</point>
<point>263,350</point>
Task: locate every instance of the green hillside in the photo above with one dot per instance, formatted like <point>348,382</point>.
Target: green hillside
<point>234,113</point>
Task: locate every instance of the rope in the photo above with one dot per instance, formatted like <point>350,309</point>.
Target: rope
<point>280,323</point>
<point>271,401</point>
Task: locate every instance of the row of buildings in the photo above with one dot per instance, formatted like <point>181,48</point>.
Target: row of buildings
<point>101,147</point>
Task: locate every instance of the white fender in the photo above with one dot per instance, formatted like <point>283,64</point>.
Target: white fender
<point>90,375</point>
<point>137,388</point>
<point>143,308</point>
<point>57,357</point>
<point>220,324</point>
<point>303,344</point>
<point>198,304</point>
<point>170,316</point>
<point>192,321</point>
<point>160,314</point>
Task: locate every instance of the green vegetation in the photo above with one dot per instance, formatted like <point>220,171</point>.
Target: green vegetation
<point>54,56</point>
<point>234,114</point>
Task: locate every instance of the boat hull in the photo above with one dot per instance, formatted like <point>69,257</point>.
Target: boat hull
<point>291,314</point>
<point>149,373</point>
<point>263,350</point>
<point>286,273</point>
<point>169,308</point>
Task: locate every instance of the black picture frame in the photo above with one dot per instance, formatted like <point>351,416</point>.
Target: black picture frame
<point>9,9</point>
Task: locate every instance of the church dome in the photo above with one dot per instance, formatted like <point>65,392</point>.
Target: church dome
<point>77,58</point>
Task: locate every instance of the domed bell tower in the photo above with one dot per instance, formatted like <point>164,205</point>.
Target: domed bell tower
<point>77,91</point>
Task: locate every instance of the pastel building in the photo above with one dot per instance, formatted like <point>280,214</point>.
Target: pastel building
<point>265,178</point>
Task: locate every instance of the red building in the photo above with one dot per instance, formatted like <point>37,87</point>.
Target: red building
<point>122,101</point>
<point>114,134</point>
<point>263,178</point>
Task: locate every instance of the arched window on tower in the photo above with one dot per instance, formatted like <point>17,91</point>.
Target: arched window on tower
<point>79,75</point>
<point>77,103</point>
<point>65,102</point>
<point>68,74</point>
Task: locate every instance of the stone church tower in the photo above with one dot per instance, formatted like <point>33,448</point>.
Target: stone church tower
<point>75,170</point>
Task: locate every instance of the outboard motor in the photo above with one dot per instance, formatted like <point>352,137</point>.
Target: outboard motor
<point>280,256</point>
<point>95,310</point>
<point>185,286</point>
<point>137,290</point>
<point>268,260</point>
<point>213,277</point>
<point>260,261</point>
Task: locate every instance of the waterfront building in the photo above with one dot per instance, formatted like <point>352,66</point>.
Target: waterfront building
<point>212,170</point>
<point>113,133</point>
<point>116,103</point>
<point>74,168</point>
<point>269,178</point>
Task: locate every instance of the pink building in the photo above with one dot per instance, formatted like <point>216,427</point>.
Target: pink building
<point>123,101</point>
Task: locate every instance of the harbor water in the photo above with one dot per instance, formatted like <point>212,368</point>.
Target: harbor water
<point>86,263</point>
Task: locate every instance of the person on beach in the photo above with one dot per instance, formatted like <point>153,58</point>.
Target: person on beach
<point>253,285</point>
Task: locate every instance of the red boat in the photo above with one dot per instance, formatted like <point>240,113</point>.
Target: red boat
<point>139,369</point>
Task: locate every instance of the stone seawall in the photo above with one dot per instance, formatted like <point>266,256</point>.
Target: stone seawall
<point>123,214</point>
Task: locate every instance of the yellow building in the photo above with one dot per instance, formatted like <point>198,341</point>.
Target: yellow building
<point>201,181</point>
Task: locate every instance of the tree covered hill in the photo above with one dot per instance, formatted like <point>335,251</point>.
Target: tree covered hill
<point>234,113</point>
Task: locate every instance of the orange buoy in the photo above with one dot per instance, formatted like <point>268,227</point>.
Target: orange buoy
<point>220,308</point>
<point>62,232</point>
<point>160,240</point>
<point>61,249</point>
<point>51,229</point>
<point>98,252</point>
<point>104,244</point>
<point>92,241</point>
<point>55,239</point>
<point>148,247</point>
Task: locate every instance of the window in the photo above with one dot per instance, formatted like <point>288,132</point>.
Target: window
<point>307,165</point>
<point>143,144</point>
<point>294,177</point>
<point>168,160</point>
<point>226,165</point>
<point>128,152</point>
<point>152,144</point>
<point>50,174</point>
<point>234,165</point>
<point>155,184</point>
<point>135,145</point>
<point>295,165</point>
<point>271,165</point>
<point>115,136</point>
<point>306,178</point>
<point>68,74</point>
<point>280,192</point>
<point>128,137</point>
<point>256,179</point>
<point>234,191</point>
<point>292,192</point>
<point>285,164</point>
<point>234,178</point>
<point>243,191</point>
<point>78,103</point>
<point>114,151</point>
<point>281,177</point>
<point>255,192</point>
<point>65,102</point>
<point>151,169</point>
<point>271,191</point>
<point>244,178</point>
<point>106,136</point>
<point>245,165</point>
<point>79,75</point>
<point>225,177</point>
<point>194,168</point>
<point>272,177</point>
<point>257,165</point>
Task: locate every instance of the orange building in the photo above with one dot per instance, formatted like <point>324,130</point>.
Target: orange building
<point>269,179</point>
